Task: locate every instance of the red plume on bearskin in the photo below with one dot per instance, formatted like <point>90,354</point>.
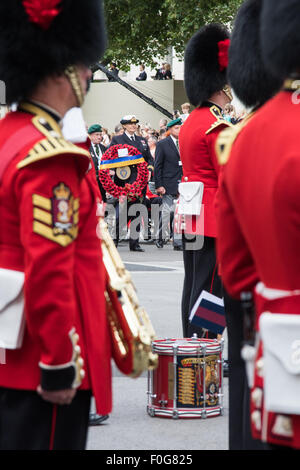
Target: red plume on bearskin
<point>42,12</point>
<point>224,54</point>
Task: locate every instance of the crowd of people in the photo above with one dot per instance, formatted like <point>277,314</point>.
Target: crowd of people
<point>162,73</point>
<point>154,194</point>
<point>152,136</point>
<point>148,140</point>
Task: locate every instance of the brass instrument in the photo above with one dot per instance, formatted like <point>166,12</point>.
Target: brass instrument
<point>131,330</point>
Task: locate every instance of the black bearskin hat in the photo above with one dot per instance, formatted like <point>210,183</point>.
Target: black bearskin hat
<point>203,73</point>
<point>39,38</point>
<point>280,36</point>
<point>250,79</point>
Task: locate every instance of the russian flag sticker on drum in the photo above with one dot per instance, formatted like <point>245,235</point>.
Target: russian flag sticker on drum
<point>209,313</point>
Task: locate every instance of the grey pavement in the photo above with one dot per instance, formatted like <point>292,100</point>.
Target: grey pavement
<point>158,277</point>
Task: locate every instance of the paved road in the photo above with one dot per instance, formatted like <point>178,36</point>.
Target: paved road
<point>158,276</point>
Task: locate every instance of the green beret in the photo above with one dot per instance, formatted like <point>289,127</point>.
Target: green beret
<point>94,128</point>
<point>175,122</point>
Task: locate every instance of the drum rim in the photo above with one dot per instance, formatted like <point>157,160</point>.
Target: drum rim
<point>197,345</point>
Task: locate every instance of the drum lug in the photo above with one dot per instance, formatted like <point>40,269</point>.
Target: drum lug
<point>175,414</point>
<point>163,403</point>
<point>151,411</point>
<point>203,414</point>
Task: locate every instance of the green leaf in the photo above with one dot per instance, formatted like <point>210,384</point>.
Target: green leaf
<point>141,31</point>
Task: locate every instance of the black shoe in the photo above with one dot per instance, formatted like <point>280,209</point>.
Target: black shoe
<point>225,369</point>
<point>159,244</point>
<point>137,248</point>
<point>95,420</point>
<point>178,248</point>
<point>150,241</point>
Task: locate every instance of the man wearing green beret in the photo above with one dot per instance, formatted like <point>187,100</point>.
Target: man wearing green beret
<point>96,150</point>
<point>167,175</point>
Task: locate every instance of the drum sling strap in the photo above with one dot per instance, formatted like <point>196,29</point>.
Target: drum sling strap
<point>15,144</point>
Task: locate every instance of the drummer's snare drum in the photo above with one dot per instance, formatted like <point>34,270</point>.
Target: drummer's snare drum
<point>188,380</point>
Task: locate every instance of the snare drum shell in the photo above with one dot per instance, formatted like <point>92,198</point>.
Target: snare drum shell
<point>163,382</point>
<point>166,378</point>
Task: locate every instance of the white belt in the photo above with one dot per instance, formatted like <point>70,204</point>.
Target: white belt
<point>273,294</point>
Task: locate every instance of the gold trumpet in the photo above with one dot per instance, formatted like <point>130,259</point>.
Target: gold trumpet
<point>131,330</point>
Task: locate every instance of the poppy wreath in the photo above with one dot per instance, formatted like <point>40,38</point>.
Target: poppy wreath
<point>131,191</point>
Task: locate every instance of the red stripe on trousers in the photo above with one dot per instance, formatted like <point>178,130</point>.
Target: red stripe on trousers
<point>53,426</point>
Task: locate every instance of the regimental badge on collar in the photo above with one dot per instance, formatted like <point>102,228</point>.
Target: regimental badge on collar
<point>56,218</point>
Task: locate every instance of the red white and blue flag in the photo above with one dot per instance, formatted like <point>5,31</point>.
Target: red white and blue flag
<point>209,313</point>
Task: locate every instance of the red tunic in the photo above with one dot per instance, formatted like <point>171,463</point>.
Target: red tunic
<point>62,262</point>
<point>197,141</point>
<point>258,222</point>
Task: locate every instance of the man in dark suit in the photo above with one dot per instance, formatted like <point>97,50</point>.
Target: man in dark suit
<point>167,175</point>
<point>96,150</point>
<point>143,75</point>
<point>130,138</point>
<point>114,71</point>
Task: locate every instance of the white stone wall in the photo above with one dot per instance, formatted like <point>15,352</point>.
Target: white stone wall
<point>108,102</point>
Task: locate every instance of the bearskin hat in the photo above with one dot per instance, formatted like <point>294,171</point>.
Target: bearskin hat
<point>204,74</point>
<point>250,79</point>
<point>280,36</point>
<point>39,38</point>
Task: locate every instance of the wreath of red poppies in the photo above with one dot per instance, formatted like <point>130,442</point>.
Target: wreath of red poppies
<point>131,191</point>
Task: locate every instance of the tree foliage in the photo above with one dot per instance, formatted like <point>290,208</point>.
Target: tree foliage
<point>139,30</point>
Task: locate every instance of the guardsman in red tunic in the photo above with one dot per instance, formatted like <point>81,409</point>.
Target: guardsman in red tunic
<point>54,335</point>
<point>253,84</point>
<point>206,60</point>
<point>259,219</point>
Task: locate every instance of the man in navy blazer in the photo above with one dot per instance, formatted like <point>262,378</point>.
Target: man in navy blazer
<point>167,176</point>
<point>143,75</point>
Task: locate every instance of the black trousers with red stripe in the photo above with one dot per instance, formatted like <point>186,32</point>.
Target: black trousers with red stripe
<point>27,422</point>
<point>201,273</point>
<point>240,437</point>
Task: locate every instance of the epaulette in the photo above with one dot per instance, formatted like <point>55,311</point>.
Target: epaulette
<point>227,138</point>
<point>218,123</point>
<point>52,144</point>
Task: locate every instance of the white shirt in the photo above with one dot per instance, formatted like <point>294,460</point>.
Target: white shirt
<point>175,141</point>
<point>130,135</point>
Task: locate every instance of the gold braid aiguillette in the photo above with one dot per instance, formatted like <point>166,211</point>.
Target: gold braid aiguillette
<point>72,75</point>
